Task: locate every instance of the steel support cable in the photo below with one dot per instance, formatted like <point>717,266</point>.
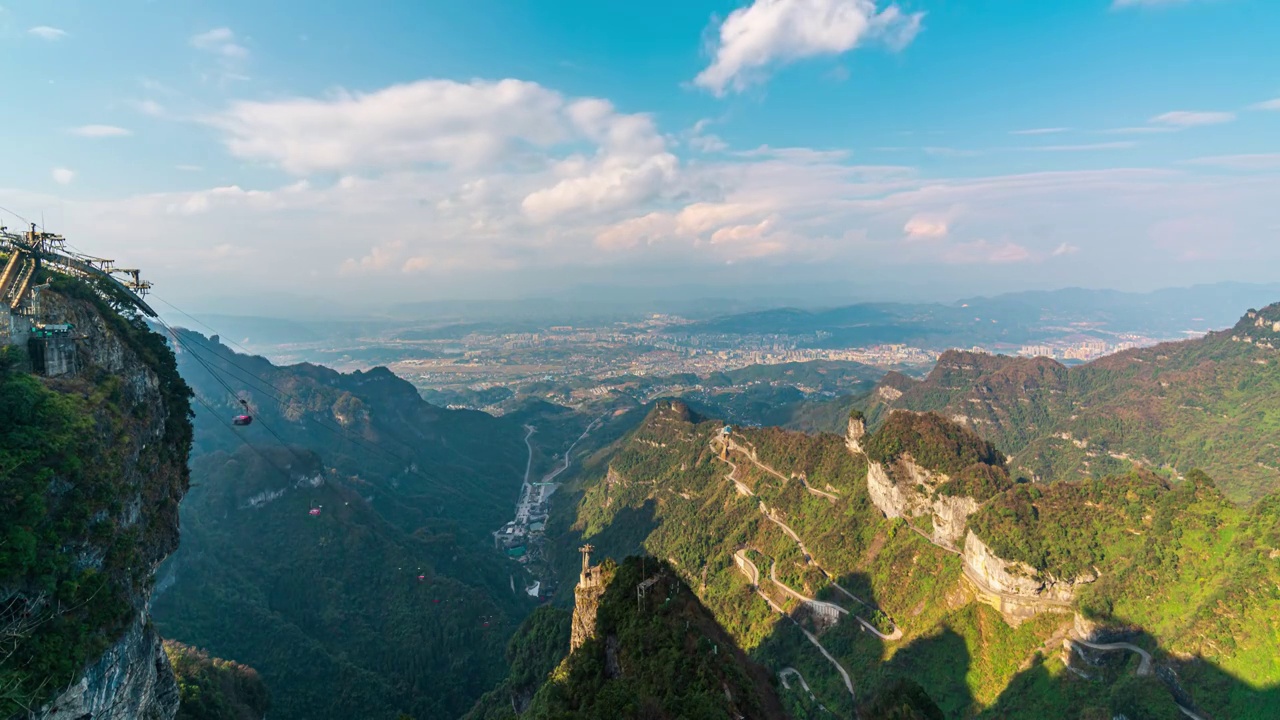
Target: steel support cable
<point>341,434</point>
<point>241,437</point>
<point>372,449</point>
<point>202,324</point>
<point>229,389</point>
<point>283,394</point>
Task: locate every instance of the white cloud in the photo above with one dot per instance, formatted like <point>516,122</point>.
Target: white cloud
<point>1185,119</point>
<point>1139,130</point>
<point>926,227</point>
<point>100,131</point>
<point>795,154</point>
<point>950,152</point>
<point>220,41</point>
<point>431,121</point>
<point>699,139</point>
<point>1039,131</point>
<point>767,33</point>
<point>62,175</point>
<point>481,187</point>
<point>1268,105</point>
<point>1065,249</point>
<point>630,166</point>
<point>44,32</point>
<point>506,126</point>
<point>150,107</point>
<point>380,257</point>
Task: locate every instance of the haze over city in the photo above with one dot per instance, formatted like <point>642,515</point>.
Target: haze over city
<point>824,150</point>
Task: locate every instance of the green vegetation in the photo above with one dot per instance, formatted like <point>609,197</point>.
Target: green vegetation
<point>534,651</point>
<point>932,441</point>
<point>1181,562</point>
<point>1177,559</point>
<point>978,481</point>
<point>1068,529</point>
<point>215,689</point>
<point>335,616</point>
<point>1211,403</point>
<point>75,453</point>
<point>664,657</point>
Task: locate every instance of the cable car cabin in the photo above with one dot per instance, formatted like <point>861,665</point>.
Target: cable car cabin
<point>242,420</point>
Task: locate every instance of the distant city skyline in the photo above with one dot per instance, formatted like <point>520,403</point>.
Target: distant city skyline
<point>355,156</point>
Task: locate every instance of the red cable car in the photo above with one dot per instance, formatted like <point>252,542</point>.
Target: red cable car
<point>242,420</point>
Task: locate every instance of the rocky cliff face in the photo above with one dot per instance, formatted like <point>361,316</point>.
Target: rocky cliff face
<point>132,445</point>
<point>586,596</point>
<point>131,680</point>
<point>1013,588</point>
<point>908,490</point>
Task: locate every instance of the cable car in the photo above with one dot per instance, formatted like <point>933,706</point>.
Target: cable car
<point>246,418</point>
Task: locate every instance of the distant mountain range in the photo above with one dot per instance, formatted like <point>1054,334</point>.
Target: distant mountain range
<point>1015,318</point>
<point>1018,317</point>
<point>1211,403</point>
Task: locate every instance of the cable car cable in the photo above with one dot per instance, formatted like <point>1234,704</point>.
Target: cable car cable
<point>229,389</point>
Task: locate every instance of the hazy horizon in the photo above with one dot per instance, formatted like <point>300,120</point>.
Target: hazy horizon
<point>821,151</point>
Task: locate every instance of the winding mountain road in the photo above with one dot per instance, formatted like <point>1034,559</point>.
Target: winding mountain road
<point>751,455</point>
<point>773,575</point>
<point>738,484</point>
<point>786,672</point>
<point>1144,667</point>
<point>753,573</point>
<point>764,510</point>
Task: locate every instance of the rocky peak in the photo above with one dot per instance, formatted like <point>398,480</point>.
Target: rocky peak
<point>857,430</point>
<point>1259,327</point>
<point>592,583</point>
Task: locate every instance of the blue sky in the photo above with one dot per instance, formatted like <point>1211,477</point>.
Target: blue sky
<point>374,152</point>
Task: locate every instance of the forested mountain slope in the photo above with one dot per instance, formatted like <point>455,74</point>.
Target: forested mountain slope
<point>1211,403</point>
<point>661,655</point>
<point>457,464</point>
<point>969,589</point>
<point>340,544</point>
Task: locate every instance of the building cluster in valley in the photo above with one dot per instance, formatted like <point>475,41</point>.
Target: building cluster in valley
<point>1083,350</point>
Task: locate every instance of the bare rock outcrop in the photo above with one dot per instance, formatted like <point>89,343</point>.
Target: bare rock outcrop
<point>908,490</point>
<point>1016,589</point>
<point>586,596</point>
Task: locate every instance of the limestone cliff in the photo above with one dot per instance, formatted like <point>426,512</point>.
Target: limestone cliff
<point>1016,578</point>
<point>591,586</point>
<point>102,453</point>
<point>908,490</point>
<point>901,487</point>
<point>1016,589</point>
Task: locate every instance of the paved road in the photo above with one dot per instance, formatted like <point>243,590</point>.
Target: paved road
<point>732,477</point>
<point>848,681</point>
<point>897,631</point>
<point>1144,667</point>
<point>744,563</point>
<point>773,575</point>
<point>568,454</point>
<point>751,455</point>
